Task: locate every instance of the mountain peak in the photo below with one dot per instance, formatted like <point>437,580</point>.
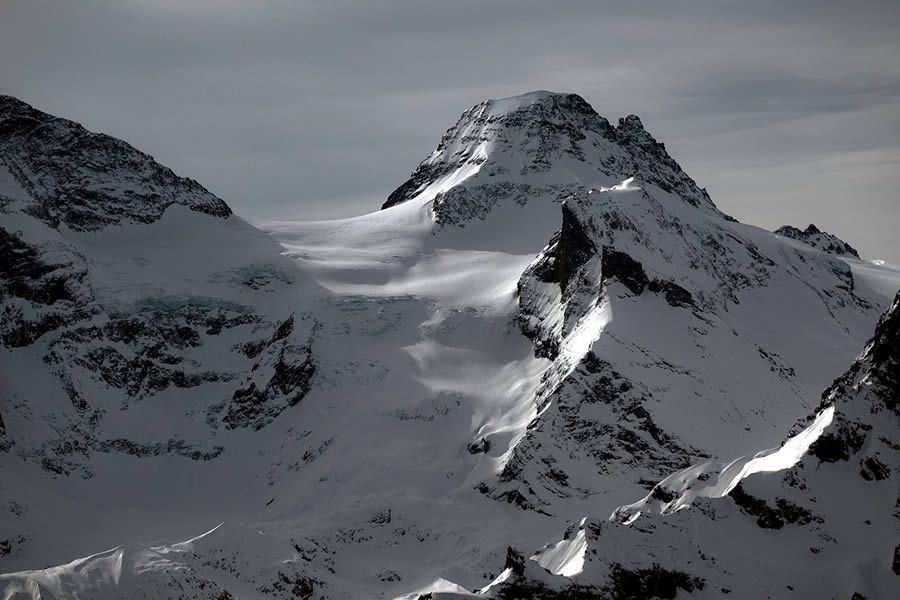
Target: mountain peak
<point>544,140</point>
<point>562,101</point>
<point>88,180</point>
<point>631,122</point>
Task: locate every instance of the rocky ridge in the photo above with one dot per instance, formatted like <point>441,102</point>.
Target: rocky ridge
<point>824,241</point>
<point>87,180</point>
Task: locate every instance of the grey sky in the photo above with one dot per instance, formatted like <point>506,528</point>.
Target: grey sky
<point>787,112</point>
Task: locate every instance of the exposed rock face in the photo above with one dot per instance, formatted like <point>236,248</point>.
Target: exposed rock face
<point>597,424</point>
<point>162,347</point>
<point>142,353</point>
<point>42,287</point>
<point>460,205</point>
<point>826,242</point>
<point>867,405</point>
<point>5,441</point>
<point>288,368</point>
<point>543,130</point>
<point>771,517</point>
<point>570,251</point>
<point>89,180</point>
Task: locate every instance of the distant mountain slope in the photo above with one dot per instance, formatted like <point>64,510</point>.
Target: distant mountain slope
<point>549,319</point>
<point>824,241</point>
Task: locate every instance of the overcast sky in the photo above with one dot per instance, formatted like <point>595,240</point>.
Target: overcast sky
<point>787,112</point>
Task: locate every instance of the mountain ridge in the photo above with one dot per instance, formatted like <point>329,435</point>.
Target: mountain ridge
<point>827,242</point>
<point>64,168</point>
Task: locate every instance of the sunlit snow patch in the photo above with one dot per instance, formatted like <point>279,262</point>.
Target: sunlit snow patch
<point>501,578</point>
<point>565,557</point>
<point>587,331</point>
<point>628,185</point>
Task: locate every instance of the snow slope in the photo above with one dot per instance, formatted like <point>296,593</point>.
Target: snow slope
<point>546,320</point>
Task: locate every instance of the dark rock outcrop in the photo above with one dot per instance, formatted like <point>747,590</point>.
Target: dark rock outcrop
<point>42,288</point>
<point>6,442</point>
<point>280,378</point>
<point>872,385</point>
<point>769,517</point>
<point>629,440</point>
<point>572,250</point>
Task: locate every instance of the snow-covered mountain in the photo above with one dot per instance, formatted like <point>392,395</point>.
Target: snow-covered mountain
<point>813,518</point>
<point>548,322</point>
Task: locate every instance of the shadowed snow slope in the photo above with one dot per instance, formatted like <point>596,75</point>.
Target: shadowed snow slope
<point>546,320</point>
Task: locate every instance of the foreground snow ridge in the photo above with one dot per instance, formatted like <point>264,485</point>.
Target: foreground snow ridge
<point>713,479</point>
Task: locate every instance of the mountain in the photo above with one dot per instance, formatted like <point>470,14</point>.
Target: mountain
<point>817,515</point>
<point>139,317</point>
<point>545,322</point>
<point>822,240</point>
<point>540,138</point>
